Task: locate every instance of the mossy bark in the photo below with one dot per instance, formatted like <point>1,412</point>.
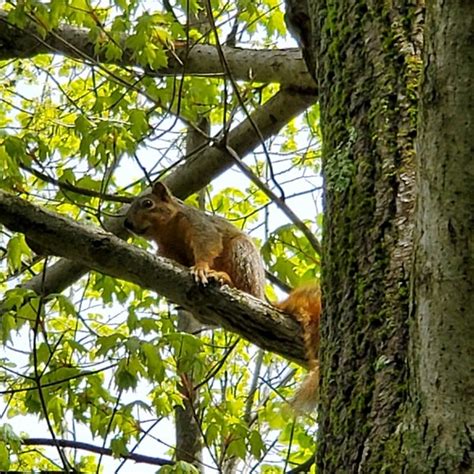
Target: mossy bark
<point>397,337</point>
<point>367,56</point>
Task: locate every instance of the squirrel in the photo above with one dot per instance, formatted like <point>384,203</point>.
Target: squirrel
<point>213,248</point>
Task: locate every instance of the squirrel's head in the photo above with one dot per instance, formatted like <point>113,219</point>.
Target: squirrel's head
<point>148,213</point>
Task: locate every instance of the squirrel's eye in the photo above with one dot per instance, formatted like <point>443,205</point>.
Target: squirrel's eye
<point>147,203</point>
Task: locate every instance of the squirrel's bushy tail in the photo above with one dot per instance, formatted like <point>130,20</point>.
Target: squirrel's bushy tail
<point>307,395</point>
<point>304,304</point>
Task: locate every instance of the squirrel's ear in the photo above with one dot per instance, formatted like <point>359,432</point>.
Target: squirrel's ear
<point>161,191</point>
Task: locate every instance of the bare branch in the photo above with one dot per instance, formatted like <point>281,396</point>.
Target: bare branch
<point>277,200</point>
<point>254,320</point>
<point>67,443</point>
<point>66,186</point>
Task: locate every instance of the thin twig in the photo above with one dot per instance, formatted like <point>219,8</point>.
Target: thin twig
<point>66,443</point>
<point>278,201</point>
<point>64,185</point>
<point>241,101</point>
<point>304,467</point>
<point>38,376</point>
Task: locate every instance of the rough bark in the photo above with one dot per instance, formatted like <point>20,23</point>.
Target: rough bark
<point>286,67</point>
<point>397,380</point>
<point>367,64</point>
<point>442,355</point>
<point>254,320</point>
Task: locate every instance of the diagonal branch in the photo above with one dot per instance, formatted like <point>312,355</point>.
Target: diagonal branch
<point>197,172</point>
<point>67,186</point>
<point>312,239</point>
<point>269,119</point>
<point>254,320</point>
<point>281,66</point>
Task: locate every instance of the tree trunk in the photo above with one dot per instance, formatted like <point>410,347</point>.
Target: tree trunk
<point>367,57</point>
<point>442,356</point>
<point>397,334</point>
<point>188,432</point>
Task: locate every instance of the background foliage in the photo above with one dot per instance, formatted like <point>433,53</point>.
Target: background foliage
<point>105,352</point>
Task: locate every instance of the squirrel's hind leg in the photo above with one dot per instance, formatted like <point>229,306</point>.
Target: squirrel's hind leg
<point>245,266</point>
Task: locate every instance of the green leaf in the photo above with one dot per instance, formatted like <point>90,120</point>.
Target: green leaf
<point>153,361</point>
<point>15,298</point>
<point>15,147</point>
<point>123,4</point>
<point>113,52</point>
<point>125,376</point>
<point>16,248</point>
<point>139,121</point>
<point>257,447</point>
<point>212,432</point>
<point>83,125</point>
<point>62,374</point>
<point>132,319</point>
<point>237,448</point>
<point>180,467</point>
<point>8,325</point>
<point>56,406</point>
<point>4,457</point>
<point>107,343</point>
<point>31,310</point>
<point>89,183</point>
<point>186,345</point>
<point>118,445</point>
<point>77,346</point>
<point>32,401</point>
<point>43,353</point>
<point>66,306</point>
<point>8,435</point>
<point>149,325</point>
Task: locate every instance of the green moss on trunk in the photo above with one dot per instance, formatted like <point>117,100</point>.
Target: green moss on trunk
<point>368,65</point>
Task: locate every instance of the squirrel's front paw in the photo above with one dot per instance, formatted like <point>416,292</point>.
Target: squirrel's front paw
<point>200,272</point>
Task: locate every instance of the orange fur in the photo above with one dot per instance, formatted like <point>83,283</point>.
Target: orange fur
<point>304,304</point>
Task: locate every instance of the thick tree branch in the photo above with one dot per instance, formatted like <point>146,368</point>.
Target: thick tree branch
<point>282,66</point>
<point>249,317</point>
